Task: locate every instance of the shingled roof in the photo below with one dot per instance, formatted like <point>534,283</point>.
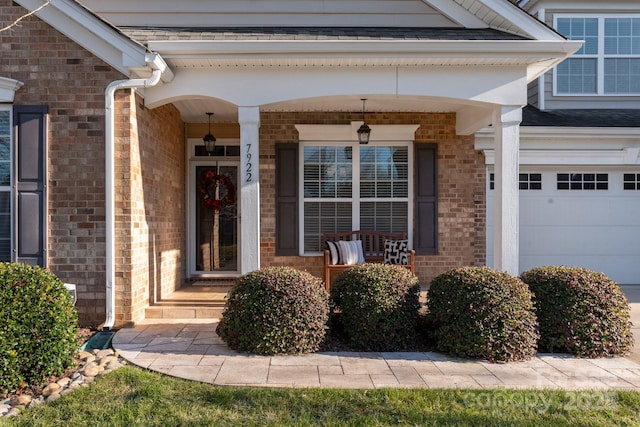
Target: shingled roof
<point>145,34</point>
<point>532,116</point>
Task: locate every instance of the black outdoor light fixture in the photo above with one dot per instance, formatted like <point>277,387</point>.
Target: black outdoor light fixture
<point>209,139</point>
<point>364,131</point>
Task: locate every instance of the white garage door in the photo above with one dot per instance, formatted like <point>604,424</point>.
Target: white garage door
<point>578,217</point>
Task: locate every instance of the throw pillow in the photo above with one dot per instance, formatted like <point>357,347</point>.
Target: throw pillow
<point>334,253</point>
<point>396,252</point>
<point>351,252</point>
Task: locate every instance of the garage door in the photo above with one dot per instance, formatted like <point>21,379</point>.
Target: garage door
<point>578,217</point>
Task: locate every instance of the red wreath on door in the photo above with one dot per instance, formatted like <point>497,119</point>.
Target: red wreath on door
<point>208,184</point>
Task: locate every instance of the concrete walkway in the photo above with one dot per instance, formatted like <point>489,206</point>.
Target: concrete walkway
<point>191,349</point>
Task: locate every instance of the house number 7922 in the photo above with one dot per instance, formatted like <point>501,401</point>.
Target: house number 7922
<point>249,165</point>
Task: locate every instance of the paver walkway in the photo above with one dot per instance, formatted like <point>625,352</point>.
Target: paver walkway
<point>191,349</point>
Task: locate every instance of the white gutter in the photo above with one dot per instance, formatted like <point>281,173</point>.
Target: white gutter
<point>158,65</point>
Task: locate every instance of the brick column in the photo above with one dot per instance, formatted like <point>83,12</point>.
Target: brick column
<point>505,232</point>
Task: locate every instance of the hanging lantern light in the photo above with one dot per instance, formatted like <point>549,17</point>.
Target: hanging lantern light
<point>209,139</point>
<point>364,131</point>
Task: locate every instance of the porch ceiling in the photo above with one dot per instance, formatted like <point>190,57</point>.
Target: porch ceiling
<point>193,110</point>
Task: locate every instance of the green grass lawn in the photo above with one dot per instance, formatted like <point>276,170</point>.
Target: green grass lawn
<point>132,396</point>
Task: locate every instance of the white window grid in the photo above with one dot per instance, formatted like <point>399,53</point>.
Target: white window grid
<point>601,55</point>
<point>526,181</point>
<point>631,181</point>
<point>578,181</point>
<point>355,200</point>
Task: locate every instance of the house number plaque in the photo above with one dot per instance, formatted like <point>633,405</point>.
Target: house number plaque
<point>248,174</point>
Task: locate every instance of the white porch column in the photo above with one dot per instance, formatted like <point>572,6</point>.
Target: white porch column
<point>505,232</point>
<point>249,118</point>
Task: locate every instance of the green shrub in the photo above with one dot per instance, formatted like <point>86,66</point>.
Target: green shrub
<point>479,312</point>
<point>580,311</point>
<point>276,310</point>
<point>378,306</point>
<point>39,326</point>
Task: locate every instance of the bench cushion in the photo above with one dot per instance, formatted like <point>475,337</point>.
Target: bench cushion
<point>396,252</point>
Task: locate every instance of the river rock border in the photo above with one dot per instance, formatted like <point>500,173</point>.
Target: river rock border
<point>92,364</point>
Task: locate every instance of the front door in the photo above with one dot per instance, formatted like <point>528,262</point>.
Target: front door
<point>214,215</point>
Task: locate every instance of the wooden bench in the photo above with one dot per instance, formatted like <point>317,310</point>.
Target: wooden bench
<point>372,246</point>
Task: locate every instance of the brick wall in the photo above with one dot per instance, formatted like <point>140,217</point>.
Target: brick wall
<point>461,175</point>
<point>71,81</point>
<point>150,205</point>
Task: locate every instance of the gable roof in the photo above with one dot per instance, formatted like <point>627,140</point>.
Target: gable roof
<point>145,34</point>
<point>491,32</point>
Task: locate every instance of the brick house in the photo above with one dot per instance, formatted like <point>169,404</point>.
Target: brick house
<point>103,110</point>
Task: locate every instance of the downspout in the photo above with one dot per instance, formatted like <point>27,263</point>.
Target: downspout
<point>110,219</point>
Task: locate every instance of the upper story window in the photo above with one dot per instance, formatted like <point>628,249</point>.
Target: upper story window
<point>609,61</point>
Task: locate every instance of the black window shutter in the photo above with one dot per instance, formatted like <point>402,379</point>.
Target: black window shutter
<point>286,199</point>
<point>30,215</point>
<point>425,240</point>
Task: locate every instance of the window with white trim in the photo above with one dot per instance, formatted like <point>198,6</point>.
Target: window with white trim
<point>631,181</point>
<point>347,186</point>
<point>609,61</point>
<point>583,181</point>
<point>5,184</point>
<point>526,181</point>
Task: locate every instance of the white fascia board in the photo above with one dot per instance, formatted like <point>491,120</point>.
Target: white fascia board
<point>521,19</point>
<point>569,146</point>
<point>533,49</point>
<point>341,133</point>
<point>565,137</point>
<point>622,157</point>
<point>456,13</point>
<point>91,33</point>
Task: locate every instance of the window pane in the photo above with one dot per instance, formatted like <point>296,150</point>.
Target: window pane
<point>577,75</point>
<point>384,216</point>
<point>388,168</point>
<point>581,29</point>
<point>5,226</point>
<point>324,217</point>
<point>327,172</point>
<point>621,75</point>
<point>5,161</point>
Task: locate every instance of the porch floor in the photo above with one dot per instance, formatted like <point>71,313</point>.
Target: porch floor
<point>193,301</point>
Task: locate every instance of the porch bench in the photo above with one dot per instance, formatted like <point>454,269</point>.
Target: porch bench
<point>373,247</point>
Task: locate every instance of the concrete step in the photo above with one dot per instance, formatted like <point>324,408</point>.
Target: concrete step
<point>190,302</point>
<point>186,312</point>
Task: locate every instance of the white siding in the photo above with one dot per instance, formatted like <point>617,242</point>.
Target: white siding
<point>245,13</point>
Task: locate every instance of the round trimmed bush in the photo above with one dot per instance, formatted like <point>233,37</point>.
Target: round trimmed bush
<point>580,311</point>
<point>483,313</point>
<point>275,310</point>
<point>39,326</point>
<point>378,306</point>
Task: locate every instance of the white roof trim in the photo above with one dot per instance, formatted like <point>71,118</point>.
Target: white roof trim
<point>8,88</point>
<point>456,13</point>
<point>393,48</point>
<point>621,157</point>
<point>526,23</point>
<point>91,33</point>
<point>542,145</point>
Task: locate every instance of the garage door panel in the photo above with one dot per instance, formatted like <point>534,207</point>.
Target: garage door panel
<point>623,270</point>
<point>575,240</point>
<point>595,229</point>
<point>577,212</point>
